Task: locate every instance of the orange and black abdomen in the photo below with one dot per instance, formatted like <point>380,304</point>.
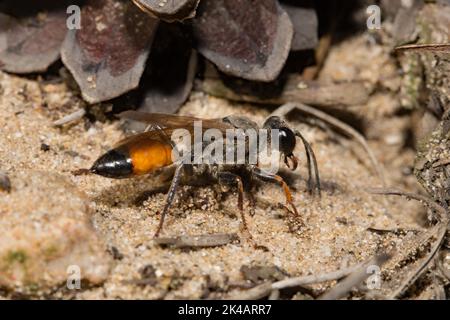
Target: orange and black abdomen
<point>134,158</point>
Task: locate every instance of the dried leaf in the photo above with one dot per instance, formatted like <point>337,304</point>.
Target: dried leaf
<point>245,38</point>
<point>306,24</point>
<point>169,76</point>
<point>169,10</point>
<point>108,54</point>
<point>31,34</point>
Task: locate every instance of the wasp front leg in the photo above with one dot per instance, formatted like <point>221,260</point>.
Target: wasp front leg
<point>296,223</point>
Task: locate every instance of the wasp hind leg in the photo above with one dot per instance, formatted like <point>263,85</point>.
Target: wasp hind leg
<point>170,197</point>
<point>229,178</point>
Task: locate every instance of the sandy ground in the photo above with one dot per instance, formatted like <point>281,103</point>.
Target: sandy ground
<point>124,212</point>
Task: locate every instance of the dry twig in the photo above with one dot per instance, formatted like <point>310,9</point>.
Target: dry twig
<point>199,241</point>
<point>305,280</point>
<point>255,293</point>
<point>345,286</point>
<point>425,200</point>
<point>295,89</point>
<point>438,232</point>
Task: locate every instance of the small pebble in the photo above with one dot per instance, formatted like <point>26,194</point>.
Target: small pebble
<point>5,183</point>
<point>45,147</point>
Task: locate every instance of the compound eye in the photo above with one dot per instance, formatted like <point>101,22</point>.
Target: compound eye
<point>287,140</point>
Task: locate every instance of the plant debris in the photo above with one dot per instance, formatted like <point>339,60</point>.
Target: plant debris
<point>199,241</point>
<point>74,116</point>
<point>343,288</point>
<point>259,292</point>
<point>293,89</point>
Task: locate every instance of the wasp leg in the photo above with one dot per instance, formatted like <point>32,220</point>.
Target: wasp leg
<point>170,197</point>
<point>267,176</point>
<point>229,178</point>
<point>252,202</point>
<point>250,193</point>
<point>311,159</point>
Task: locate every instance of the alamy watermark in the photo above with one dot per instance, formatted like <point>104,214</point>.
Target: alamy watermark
<point>374,19</point>
<point>73,277</point>
<point>73,22</point>
<point>374,280</point>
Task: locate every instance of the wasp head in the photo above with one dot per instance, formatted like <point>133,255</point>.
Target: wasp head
<point>287,140</point>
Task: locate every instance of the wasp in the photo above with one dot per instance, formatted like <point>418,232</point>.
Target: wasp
<point>151,150</point>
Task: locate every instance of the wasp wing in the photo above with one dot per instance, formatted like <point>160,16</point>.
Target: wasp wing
<point>164,135</point>
<point>174,121</point>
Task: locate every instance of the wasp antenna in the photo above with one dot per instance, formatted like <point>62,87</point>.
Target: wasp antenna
<point>312,164</point>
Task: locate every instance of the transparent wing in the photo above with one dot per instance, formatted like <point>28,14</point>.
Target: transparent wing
<point>174,121</point>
